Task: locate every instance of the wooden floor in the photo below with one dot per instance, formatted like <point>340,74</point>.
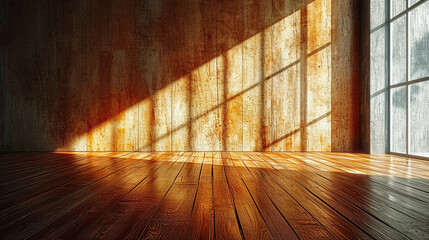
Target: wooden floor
<point>237,195</point>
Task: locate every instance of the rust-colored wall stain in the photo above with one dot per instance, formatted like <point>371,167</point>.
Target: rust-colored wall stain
<point>191,75</point>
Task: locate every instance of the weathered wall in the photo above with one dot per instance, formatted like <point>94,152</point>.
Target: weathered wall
<point>365,101</point>
<point>278,75</point>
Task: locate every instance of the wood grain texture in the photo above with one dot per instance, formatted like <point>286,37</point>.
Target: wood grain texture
<point>251,222</point>
<point>171,219</point>
<point>253,73</point>
<point>213,195</point>
<point>285,77</point>
<point>277,75</point>
<point>202,217</point>
<point>227,226</point>
<point>229,32</point>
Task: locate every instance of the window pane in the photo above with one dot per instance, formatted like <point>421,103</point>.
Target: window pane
<point>397,7</point>
<point>398,119</point>
<point>399,51</point>
<point>378,61</point>
<point>419,41</point>
<point>378,89</point>
<point>412,2</point>
<point>419,118</point>
<point>378,14</point>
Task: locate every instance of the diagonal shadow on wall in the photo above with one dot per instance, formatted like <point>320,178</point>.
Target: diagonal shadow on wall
<point>134,75</point>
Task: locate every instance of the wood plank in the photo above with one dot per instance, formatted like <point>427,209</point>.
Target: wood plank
<point>256,15</point>
<point>391,216</point>
<point>403,161</point>
<point>415,187</point>
<point>34,218</point>
<point>99,57</point>
<point>388,166</point>
<point>160,88</point>
<point>8,157</point>
<point>367,222</point>
<point>384,186</point>
<point>171,220</point>
<point>54,164</point>
<point>217,195</point>
<point>84,213</point>
<point>71,71</point>
<point>226,219</point>
<point>410,206</point>
<point>25,178</point>
<point>285,97</point>
<point>185,59</point>
<point>317,51</point>
<point>251,221</point>
<point>36,160</point>
<point>133,212</point>
<point>202,218</point>
<point>229,64</point>
<point>20,52</point>
<point>23,191</point>
<point>196,125</point>
<point>33,190</point>
<point>307,215</point>
<point>352,189</point>
<point>205,106</point>
<point>149,45</point>
<point>125,71</point>
<point>163,75</point>
<point>276,223</point>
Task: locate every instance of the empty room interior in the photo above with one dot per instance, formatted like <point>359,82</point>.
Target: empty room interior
<point>214,119</point>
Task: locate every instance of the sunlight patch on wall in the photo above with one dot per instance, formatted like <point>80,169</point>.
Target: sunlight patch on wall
<point>272,91</point>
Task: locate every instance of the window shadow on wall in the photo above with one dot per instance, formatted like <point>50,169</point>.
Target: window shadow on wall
<point>166,75</point>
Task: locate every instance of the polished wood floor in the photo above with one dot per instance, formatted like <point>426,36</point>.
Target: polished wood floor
<point>205,195</point>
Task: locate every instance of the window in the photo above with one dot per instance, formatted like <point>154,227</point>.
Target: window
<point>400,74</point>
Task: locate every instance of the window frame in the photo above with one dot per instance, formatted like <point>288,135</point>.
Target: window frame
<point>407,82</point>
